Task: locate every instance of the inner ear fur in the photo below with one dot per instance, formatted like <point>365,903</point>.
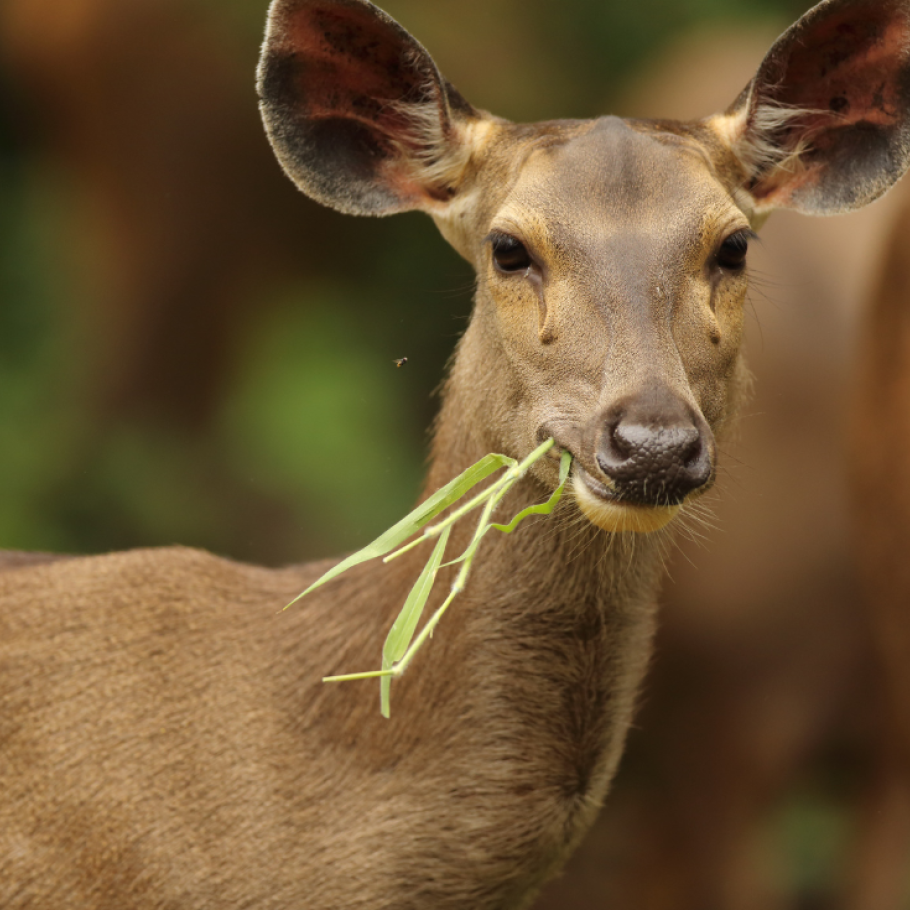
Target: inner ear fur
<point>356,110</point>
<point>823,127</point>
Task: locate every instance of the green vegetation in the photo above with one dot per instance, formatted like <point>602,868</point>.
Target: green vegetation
<point>400,645</point>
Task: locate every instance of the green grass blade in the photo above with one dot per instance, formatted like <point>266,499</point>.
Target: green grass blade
<point>402,631</point>
<point>467,557</point>
<point>385,696</point>
<point>415,520</point>
<point>497,489</point>
<point>495,492</point>
<point>351,677</point>
<point>544,508</point>
<point>401,645</point>
<point>425,633</point>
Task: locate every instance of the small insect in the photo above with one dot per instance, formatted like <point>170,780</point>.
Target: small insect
<point>400,361</point>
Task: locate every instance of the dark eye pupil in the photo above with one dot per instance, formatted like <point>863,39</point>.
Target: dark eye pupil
<point>732,252</point>
<point>510,254</point>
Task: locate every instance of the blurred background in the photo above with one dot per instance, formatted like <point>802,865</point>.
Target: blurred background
<point>193,352</point>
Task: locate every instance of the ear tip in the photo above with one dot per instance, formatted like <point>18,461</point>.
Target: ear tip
<point>834,21</point>
<point>282,13</point>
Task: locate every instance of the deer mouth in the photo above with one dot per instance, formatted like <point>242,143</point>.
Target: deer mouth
<point>606,509</point>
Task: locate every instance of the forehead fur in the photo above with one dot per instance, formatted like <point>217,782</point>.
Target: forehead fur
<point>615,169</point>
<point>597,171</point>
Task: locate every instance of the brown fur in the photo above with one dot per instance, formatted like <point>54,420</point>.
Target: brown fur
<point>166,739</point>
<point>880,485</point>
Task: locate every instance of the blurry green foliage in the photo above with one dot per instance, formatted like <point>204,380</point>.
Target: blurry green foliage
<point>813,834</point>
<point>35,346</point>
<point>314,418</point>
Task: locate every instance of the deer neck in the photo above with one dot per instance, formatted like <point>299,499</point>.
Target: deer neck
<point>555,625</point>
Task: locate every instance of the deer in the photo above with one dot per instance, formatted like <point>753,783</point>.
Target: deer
<point>166,737</point>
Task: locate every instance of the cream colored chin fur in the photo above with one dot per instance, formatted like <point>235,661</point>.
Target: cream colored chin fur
<point>616,516</point>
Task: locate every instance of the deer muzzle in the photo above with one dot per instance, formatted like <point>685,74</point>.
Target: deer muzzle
<point>650,454</point>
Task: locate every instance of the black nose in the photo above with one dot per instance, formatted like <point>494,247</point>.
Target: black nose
<point>655,451</point>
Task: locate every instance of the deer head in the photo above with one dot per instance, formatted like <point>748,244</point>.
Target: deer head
<point>610,254</point>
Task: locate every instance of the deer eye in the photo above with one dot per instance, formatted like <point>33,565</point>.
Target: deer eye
<point>731,254</point>
<point>510,254</point>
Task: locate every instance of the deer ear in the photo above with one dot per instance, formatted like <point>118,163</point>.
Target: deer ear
<point>356,111</point>
<point>824,127</point>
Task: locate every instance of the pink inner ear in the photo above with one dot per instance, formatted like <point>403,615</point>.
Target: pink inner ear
<point>848,65</point>
<point>355,66</point>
